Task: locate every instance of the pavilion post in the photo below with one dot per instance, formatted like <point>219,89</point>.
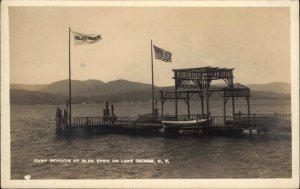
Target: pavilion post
<point>233,106</point>
<point>248,105</point>
<point>202,105</point>
<point>207,102</point>
<point>188,107</point>
<point>224,112</point>
<point>162,105</point>
<point>176,105</point>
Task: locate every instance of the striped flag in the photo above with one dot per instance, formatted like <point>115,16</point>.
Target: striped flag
<point>82,39</point>
<point>162,54</point>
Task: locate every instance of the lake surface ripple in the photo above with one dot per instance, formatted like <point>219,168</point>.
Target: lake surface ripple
<point>33,137</point>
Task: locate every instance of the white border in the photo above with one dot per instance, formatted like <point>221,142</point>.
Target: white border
<point>155,3</point>
<point>294,11</point>
<point>150,183</point>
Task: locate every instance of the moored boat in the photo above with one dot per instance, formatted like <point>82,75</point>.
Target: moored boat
<point>184,124</point>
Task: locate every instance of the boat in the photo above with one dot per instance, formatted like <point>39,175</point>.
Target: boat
<point>185,124</point>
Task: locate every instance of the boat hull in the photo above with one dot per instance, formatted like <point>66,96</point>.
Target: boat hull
<point>184,124</point>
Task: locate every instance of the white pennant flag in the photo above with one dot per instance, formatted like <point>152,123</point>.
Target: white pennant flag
<point>82,39</point>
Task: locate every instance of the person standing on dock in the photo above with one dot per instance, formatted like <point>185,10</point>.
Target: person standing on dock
<point>58,117</point>
<point>65,117</point>
<point>57,112</point>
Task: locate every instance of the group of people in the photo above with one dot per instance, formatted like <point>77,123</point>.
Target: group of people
<point>61,118</point>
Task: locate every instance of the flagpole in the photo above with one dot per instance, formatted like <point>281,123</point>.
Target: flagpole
<point>70,99</point>
<point>152,78</point>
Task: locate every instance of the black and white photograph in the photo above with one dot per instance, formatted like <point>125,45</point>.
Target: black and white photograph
<point>150,94</point>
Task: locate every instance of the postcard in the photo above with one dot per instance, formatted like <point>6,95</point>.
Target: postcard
<point>150,94</point>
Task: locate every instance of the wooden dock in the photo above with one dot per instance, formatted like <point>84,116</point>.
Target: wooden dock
<point>188,82</point>
<point>216,125</point>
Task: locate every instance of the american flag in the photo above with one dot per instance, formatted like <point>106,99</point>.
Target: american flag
<point>162,54</point>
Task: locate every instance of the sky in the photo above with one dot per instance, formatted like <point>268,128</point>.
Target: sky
<point>254,41</point>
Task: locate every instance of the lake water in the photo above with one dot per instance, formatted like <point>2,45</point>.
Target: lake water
<point>33,138</point>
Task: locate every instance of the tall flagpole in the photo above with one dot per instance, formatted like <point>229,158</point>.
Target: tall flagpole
<point>152,78</point>
<point>70,99</point>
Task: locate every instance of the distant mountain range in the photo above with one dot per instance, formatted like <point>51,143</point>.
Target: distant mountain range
<point>95,91</point>
<point>276,87</point>
<point>86,88</point>
<point>33,87</point>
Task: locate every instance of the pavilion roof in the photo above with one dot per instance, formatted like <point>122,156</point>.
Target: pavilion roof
<point>203,69</point>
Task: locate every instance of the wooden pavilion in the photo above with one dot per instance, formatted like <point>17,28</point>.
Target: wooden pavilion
<point>197,81</point>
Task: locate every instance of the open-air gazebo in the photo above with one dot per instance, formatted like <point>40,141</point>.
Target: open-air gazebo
<point>197,81</point>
